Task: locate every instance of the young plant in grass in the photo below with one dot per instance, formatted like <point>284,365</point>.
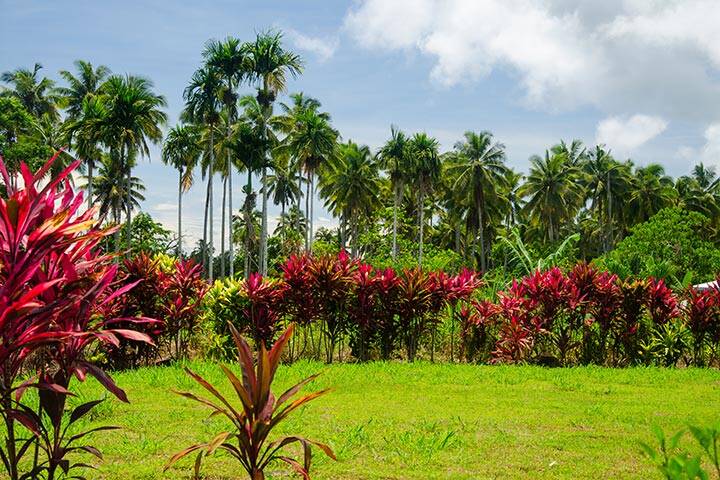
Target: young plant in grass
<point>254,413</point>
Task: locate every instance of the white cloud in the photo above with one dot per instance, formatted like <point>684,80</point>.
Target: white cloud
<point>324,48</point>
<point>615,55</point>
<point>709,152</point>
<point>625,134</point>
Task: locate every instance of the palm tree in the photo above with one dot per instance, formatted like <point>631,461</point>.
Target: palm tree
<point>182,150</point>
<point>351,186</point>
<point>313,142</point>
<point>575,153</point>
<point>426,167</point>
<point>396,161</point>
<point>251,142</point>
<point>553,192</point>
<point>287,123</point>
<point>269,66</point>
<point>284,184</point>
<point>110,189</point>
<point>230,59</point>
<point>482,172</point>
<point>202,106</point>
<point>651,191</point>
<point>37,94</point>
<point>134,119</point>
<point>86,110</point>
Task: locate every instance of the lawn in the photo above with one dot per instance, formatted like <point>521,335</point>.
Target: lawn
<point>422,420</point>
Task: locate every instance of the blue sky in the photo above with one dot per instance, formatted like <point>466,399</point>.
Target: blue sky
<point>641,76</point>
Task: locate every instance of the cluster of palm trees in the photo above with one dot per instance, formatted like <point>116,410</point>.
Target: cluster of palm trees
<point>233,123</point>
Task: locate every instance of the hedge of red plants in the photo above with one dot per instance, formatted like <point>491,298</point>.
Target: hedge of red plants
<point>335,298</point>
<point>582,316</point>
<point>589,316</point>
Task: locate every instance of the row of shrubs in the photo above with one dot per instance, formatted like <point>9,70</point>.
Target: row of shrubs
<point>345,308</point>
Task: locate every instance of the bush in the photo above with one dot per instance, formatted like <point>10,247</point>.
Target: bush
<point>673,244</point>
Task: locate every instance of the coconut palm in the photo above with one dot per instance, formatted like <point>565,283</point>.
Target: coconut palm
<point>182,150</point>
<point>312,142</point>
<point>286,123</point>
<point>351,186</point>
<point>283,184</point>
<point>423,151</point>
<point>651,191</point>
<point>230,59</point>
<point>552,191</point>
<point>269,66</point>
<point>86,109</point>
<point>396,161</point>
<point>575,152</point>
<point>481,173</point>
<point>110,189</point>
<point>37,94</point>
<point>202,107</point>
<point>134,120</point>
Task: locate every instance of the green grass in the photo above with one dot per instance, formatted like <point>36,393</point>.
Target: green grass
<point>400,421</point>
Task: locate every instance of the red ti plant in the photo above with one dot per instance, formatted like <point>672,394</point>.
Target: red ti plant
<point>476,318</point>
<point>264,297</point>
<point>387,293</point>
<point>254,413</point>
<point>363,308</point>
<point>517,334</point>
<point>702,310</point>
<point>661,302</point>
<point>183,291</point>
<point>298,300</point>
<point>415,301</point>
<point>332,280</point>
<point>53,281</point>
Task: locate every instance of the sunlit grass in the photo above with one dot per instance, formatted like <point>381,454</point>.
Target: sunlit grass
<point>397,421</point>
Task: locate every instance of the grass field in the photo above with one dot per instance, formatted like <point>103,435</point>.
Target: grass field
<point>397,421</point>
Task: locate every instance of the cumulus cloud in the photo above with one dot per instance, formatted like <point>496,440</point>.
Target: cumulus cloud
<point>616,55</point>
<point>625,134</point>
<point>709,152</point>
<point>324,48</point>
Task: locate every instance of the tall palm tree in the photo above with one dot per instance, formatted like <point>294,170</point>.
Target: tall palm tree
<point>269,66</point>
<point>37,94</point>
<point>287,123</point>
<point>202,107</point>
<point>283,184</point>
<point>134,120</point>
<point>424,152</point>
<point>110,189</point>
<point>313,142</point>
<point>552,191</point>
<point>230,59</point>
<point>351,186</point>
<point>182,150</point>
<point>396,161</point>
<point>86,110</point>
<point>251,142</point>
<point>482,172</point>
<point>575,153</point>
<point>651,191</point>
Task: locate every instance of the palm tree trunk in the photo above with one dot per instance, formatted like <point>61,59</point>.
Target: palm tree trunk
<point>312,209</point>
<point>211,245</point>
<point>128,218</point>
<point>421,215</point>
<point>264,227</point>
<point>91,164</point>
<point>307,213</point>
<point>299,201</point>
<point>222,229</point>
<point>179,231</point>
<point>205,230</point>
<point>481,227</point>
<point>609,213</point>
<point>249,226</point>
<point>231,248</point>
<point>396,201</point>
<point>354,222</point>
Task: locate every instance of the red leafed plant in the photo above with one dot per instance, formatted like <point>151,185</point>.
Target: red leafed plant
<point>254,413</point>
<point>53,283</point>
<point>414,303</point>
<point>183,291</point>
<point>702,311</point>
<point>264,296</point>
